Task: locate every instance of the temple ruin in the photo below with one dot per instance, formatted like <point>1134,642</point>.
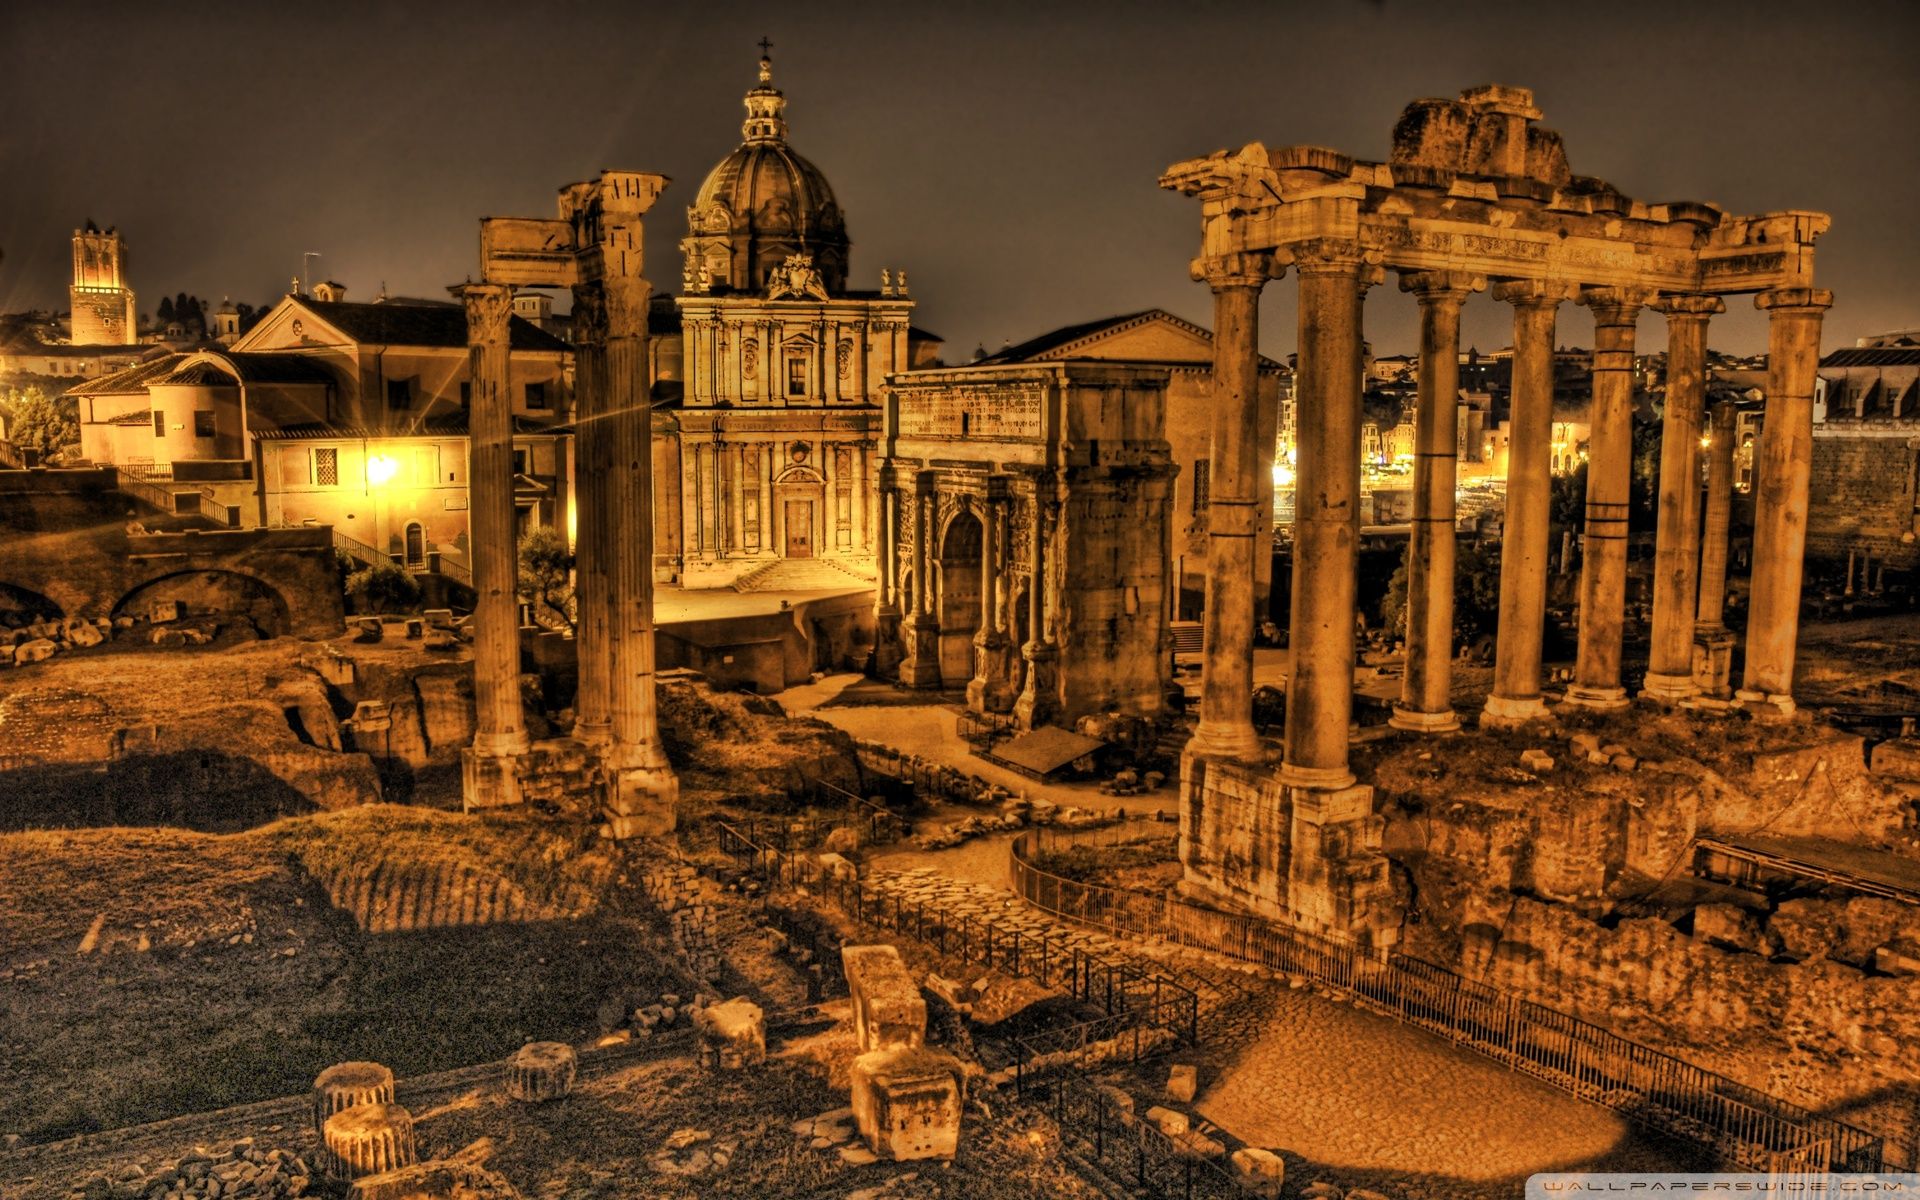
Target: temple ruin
<point>1474,196</point>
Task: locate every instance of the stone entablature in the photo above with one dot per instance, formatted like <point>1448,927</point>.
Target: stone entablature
<point>1027,557</point>
<point>754,352</point>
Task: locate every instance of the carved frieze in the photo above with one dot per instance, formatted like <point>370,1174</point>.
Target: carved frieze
<point>1011,413</point>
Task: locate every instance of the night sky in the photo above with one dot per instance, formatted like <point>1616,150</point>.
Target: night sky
<point>1006,155</point>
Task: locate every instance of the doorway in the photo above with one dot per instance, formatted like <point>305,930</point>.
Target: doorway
<point>799,520</point>
<point>416,545</point>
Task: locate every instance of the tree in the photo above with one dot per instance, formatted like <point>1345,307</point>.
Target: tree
<point>546,573</point>
<point>48,425</point>
<point>1476,593</point>
<point>165,312</point>
<point>384,588</point>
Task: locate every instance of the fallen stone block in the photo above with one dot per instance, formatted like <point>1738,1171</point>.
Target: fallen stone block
<point>836,866</point>
<point>1169,1121</point>
<point>541,1071</point>
<point>888,1011</point>
<point>38,650</point>
<point>907,1102</point>
<point>416,628</point>
<point>1537,761</point>
<point>1182,1082</point>
<point>81,634</point>
<point>733,1035</point>
<point>165,610</point>
<point>952,991</point>
<point>369,629</point>
<point>1195,1144</point>
<point>1625,762</point>
<point>1262,1171</point>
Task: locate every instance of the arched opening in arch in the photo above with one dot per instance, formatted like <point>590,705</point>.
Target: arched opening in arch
<point>223,595</point>
<point>24,606</point>
<point>957,602</point>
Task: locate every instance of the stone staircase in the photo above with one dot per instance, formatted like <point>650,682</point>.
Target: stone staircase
<point>801,575</point>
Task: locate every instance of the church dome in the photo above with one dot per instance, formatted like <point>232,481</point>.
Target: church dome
<point>760,205</point>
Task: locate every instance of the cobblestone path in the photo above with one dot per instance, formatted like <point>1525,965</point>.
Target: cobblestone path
<point>1345,1094</point>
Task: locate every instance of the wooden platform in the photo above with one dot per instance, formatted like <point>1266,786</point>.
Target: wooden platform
<point>1040,752</point>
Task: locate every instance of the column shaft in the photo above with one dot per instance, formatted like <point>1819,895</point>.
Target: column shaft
<point>986,639</point>
<point>1603,564</point>
<point>1677,539</point>
<point>592,723</point>
<point>1426,689</point>
<point>500,731</point>
<point>1037,703</point>
<point>1525,536</point>
<point>1780,493</point>
<point>642,788</point>
<point>1327,519</point>
<point>1235,458</point>
<point>1710,610</point>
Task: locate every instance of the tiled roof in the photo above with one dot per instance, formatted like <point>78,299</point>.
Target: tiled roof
<point>131,380</point>
<point>138,416</point>
<point>1874,356</point>
<point>391,324</point>
<point>1046,344</point>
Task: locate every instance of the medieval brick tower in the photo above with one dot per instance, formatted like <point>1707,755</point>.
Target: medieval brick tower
<point>103,312</point>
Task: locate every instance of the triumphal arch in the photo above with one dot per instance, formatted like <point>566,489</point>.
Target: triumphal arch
<point>1474,196</point>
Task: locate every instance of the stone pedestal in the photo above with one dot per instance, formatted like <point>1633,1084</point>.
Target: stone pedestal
<point>1234,833</point>
<point>920,652</point>
<point>541,1071</point>
<point>488,780</point>
<point>1713,662</point>
<point>1039,699</point>
<point>907,1103</point>
<point>733,1035</point>
<point>369,1139</point>
<point>887,654</point>
<point>640,791</point>
<point>1337,880</point>
<point>888,1010</point>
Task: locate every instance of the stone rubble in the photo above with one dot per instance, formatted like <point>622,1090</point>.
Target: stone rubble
<point>240,1171</point>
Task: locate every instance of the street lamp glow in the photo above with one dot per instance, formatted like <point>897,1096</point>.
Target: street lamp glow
<point>1282,475</point>
<point>381,469</point>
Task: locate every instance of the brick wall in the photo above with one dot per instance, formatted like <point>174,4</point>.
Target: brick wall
<point>1862,492</point>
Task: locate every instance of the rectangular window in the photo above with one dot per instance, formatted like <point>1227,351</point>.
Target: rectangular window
<point>520,461</point>
<point>536,395</point>
<point>796,375</point>
<point>399,393</point>
<point>1201,482</point>
<point>159,423</point>
<point>466,395</point>
<point>326,467</point>
<point>203,423</point>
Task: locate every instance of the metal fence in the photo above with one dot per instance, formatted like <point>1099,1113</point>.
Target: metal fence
<point>1743,1125</point>
<point>881,823</point>
<point>1133,1150</point>
<point>1055,960</point>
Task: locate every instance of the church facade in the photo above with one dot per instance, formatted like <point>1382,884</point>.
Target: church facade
<point>772,437</point>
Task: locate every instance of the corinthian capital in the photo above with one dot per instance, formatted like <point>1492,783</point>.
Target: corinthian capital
<point>627,297</point>
<point>1243,268</point>
<point>1442,287</point>
<point>1689,305</point>
<point>1327,255</point>
<point>1615,305</point>
<point>1531,293</point>
<point>489,308</point>
<point>1794,298</point>
<point>589,314</point>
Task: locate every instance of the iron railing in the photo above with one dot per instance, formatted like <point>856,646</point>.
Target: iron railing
<point>1743,1125</point>
<point>1129,1148</point>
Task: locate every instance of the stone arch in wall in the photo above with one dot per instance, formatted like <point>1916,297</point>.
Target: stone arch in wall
<point>23,606</point>
<point>957,595</point>
<point>229,595</point>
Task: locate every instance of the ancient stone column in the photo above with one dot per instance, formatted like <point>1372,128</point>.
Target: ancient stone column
<point>369,1139</point>
<point>984,685</point>
<point>1426,704</point>
<point>1780,494</point>
<point>1712,640</point>
<point>1327,515</point>
<point>641,789</point>
<point>490,767</point>
<point>1038,702</point>
<point>920,668</point>
<point>886,612</point>
<point>1524,541</point>
<point>1677,544</point>
<point>541,1071</point>
<point>1603,563</point>
<point>349,1085</point>
<point>1233,518</point>
<point>592,718</point>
